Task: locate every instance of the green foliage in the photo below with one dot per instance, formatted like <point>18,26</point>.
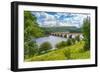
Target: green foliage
<point>86,33</point>
<point>61,44</point>
<point>81,55</point>
<point>44,47</point>
<point>73,40</point>
<point>65,36</point>
<point>77,38</point>
<point>31,49</point>
<point>65,43</point>
<point>31,31</point>
<point>66,53</point>
<point>62,29</point>
<point>69,42</point>
<point>86,46</point>
<point>31,28</point>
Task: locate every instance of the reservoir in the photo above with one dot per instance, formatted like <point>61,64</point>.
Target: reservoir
<point>53,40</point>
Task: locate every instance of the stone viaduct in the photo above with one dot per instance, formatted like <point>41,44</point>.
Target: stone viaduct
<point>67,34</point>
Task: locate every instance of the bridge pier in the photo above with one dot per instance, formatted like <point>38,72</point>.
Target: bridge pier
<point>67,35</point>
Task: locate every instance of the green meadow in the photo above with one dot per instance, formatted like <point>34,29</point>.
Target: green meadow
<point>73,52</point>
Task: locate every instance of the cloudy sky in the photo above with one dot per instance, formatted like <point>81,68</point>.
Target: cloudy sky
<point>51,19</point>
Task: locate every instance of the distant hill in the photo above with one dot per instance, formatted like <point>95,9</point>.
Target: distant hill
<point>62,29</point>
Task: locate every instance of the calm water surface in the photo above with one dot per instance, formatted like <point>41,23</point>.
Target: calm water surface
<point>51,39</point>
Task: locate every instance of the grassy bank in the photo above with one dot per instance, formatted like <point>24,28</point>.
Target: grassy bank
<point>67,53</point>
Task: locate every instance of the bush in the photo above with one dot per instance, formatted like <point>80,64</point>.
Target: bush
<point>44,47</point>
<point>77,38</point>
<point>67,53</point>
<point>65,43</point>
<point>69,42</point>
<point>61,44</point>
<point>65,36</point>
<point>31,49</point>
<point>86,46</point>
<point>73,41</point>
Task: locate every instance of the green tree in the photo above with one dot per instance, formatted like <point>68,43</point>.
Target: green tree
<point>65,43</point>
<point>31,31</point>
<point>65,36</point>
<point>77,38</point>
<point>69,42</point>
<point>31,28</point>
<point>30,49</point>
<point>73,40</point>
<point>44,47</point>
<point>67,53</point>
<point>86,33</point>
<point>61,44</point>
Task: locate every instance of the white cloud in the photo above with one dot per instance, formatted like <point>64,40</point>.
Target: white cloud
<point>46,19</point>
<point>49,17</point>
<point>45,15</point>
<point>37,14</point>
<point>64,24</point>
<point>59,19</point>
<point>49,23</point>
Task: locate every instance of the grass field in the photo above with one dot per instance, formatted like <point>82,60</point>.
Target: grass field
<point>72,52</point>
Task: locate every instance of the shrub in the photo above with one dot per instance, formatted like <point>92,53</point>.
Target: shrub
<point>67,53</point>
<point>61,44</point>
<point>73,41</point>
<point>86,46</point>
<point>44,47</point>
<point>77,38</point>
<point>65,36</point>
<point>69,42</point>
<point>31,48</point>
<point>65,43</point>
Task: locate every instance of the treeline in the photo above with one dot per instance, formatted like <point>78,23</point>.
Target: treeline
<point>86,33</point>
<point>31,31</point>
<point>62,29</point>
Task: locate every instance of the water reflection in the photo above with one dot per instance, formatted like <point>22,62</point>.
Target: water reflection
<point>52,39</point>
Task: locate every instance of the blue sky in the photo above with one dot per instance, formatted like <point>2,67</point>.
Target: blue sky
<point>53,19</point>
